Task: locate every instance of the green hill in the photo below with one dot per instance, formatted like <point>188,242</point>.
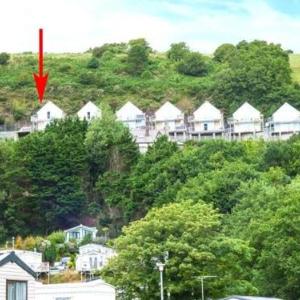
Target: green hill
<point>73,79</point>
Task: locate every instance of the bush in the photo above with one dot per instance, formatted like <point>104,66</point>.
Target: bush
<point>56,237</point>
<point>193,64</point>
<point>65,68</point>
<point>4,58</point>
<point>87,78</point>
<point>93,63</point>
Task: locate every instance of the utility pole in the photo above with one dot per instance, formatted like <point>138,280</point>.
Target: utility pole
<point>202,283</point>
<point>160,267</point>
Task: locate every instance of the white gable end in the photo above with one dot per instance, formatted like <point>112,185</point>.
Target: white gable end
<point>207,112</point>
<point>286,113</point>
<point>246,112</point>
<point>89,111</point>
<point>168,112</point>
<point>129,112</point>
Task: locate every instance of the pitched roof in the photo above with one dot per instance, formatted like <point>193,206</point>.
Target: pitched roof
<point>286,112</point>
<point>207,111</point>
<point>13,258</point>
<point>128,111</point>
<point>82,226</point>
<point>246,111</point>
<point>168,111</point>
<point>48,105</point>
<point>91,105</point>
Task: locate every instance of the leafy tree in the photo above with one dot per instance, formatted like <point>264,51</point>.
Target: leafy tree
<point>178,51</point>
<point>224,53</point>
<point>193,64</point>
<point>138,56</point>
<point>190,234</point>
<point>4,58</point>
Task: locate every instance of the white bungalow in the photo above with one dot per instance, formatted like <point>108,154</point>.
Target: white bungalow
<point>89,111</point>
<point>284,122</point>
<point>247,122</point>
<point>168,119</point>
<point>131,116</point>
<point>207,122</point>
<point>93,257</point>
<point>32,258</point>
<point>45,115</point>
<point>18,282</point>
<point>79,232</point>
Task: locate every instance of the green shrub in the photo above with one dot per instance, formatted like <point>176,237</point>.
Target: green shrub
<point>4,58</point>
<point>93,63</point>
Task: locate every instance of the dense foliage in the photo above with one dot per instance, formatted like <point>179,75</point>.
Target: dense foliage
<point>115,73</point>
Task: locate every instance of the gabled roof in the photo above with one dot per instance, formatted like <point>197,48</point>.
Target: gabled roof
<point>13,258</point>
<point>81,226</point>
<point>286,112</point>
<point>89,105</point>
<point>128,111</point>
<point>207,111</point>
<point>246,111</point>
<point>168,111</point>
<point>49,105</point>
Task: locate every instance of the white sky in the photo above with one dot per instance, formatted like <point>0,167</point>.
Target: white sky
<point>76,25</point>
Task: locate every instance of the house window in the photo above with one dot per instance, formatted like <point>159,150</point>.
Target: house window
<point>16,290</point>
<point>48,115</point>
<point>74,235</point>
<point>205,127</point>
<point>89,115</point>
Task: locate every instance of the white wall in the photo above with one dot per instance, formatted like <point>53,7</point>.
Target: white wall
<point>94,290</point>
<point>41,119</point>
<point>211,125</point>
<point>12,271</point>
<point>250,126</point>
<point>89,111</point>
<point>131,116</point>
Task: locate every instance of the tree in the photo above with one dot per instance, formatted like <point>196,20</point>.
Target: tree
<point>54,163</point>
<point>224,53</point>
<point>256,71</point>
<point>4,58</point>
<point>193,64</point>
<point>138,56</point>
<point>190,234</point>
<point>178,51</point>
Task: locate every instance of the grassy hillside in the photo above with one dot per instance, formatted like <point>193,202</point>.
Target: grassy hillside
<point>72,83</point>
<point>295,64</point>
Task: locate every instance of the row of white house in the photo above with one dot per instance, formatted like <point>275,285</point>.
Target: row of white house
<point>206,122</point>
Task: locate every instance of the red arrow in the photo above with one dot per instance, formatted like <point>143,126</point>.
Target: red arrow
<point>40,79</point>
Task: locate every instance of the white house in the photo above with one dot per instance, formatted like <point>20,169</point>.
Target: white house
<point>79,232</point>
<point>17,282</point>
<point>131,116</point>
<point>168,118</point>
<point>45,115</point>
<point>284,122</point>
<point>246,122</point>
<point>93,257</point>
<point>89,111</point>
<point>31,258</point>
<point>207,121</point>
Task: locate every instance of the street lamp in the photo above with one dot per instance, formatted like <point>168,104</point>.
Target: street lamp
<point>202,283</point>
<point>160,267</point>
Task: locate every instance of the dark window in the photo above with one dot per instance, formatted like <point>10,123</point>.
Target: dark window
<point>48,114</point>
<point>16,290</point>
<point>205,126</point>
<point>88,115</point>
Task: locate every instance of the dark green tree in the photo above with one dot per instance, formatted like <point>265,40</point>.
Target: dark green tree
<point>224,53</point>
<point>4,58</point>
<point>178,51</point>
<point>193,64</point>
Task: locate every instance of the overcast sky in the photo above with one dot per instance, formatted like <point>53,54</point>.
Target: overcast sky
<point>76,25</point>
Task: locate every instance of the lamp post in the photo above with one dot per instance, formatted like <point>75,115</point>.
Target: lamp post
<point>160,267</point>
<point>202,283</point>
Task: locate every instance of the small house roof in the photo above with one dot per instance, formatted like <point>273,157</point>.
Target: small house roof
<point>13,258</point>
<point>168,111</point>
<point>206,112</point>
<point>128,111</point>
<point>49,105</point>
<point>89,105</point>
<point>93,229</point>
<point>246,112</point>
<point>286,112</point>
